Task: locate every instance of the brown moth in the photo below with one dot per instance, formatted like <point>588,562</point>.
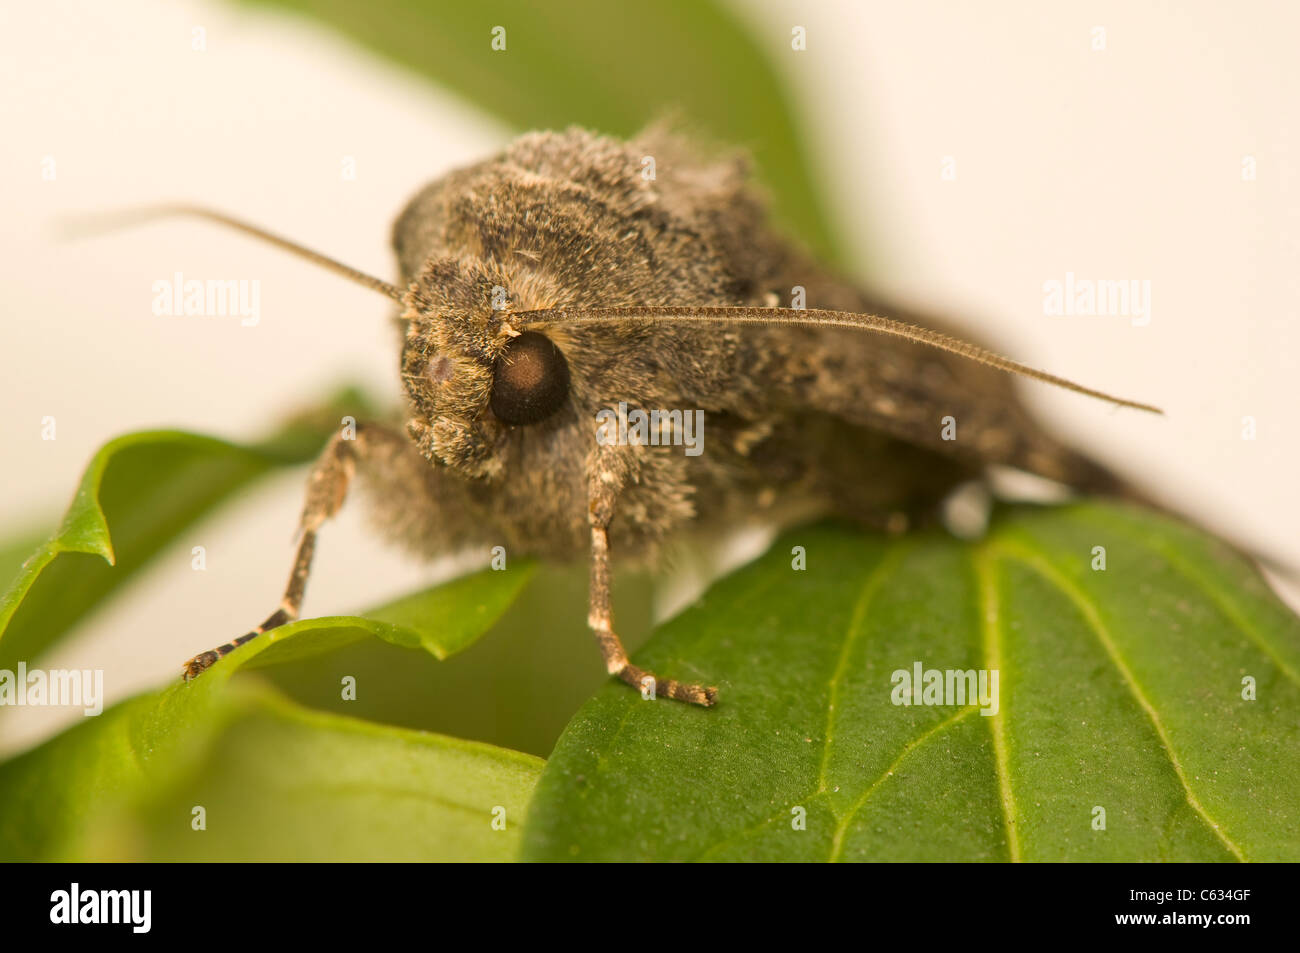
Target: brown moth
<point>557,280</point>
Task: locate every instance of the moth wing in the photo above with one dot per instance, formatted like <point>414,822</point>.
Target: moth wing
<point>922,396</point>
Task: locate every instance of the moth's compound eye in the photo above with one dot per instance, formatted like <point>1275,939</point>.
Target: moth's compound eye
<point>530,381</point>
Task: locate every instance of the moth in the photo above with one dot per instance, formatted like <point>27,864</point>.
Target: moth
<point>557,280</point>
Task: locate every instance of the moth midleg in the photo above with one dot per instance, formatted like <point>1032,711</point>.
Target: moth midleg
<point>600,617</point>
<point>327,487</point>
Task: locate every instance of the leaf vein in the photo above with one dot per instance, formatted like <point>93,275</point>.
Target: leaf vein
<point>879,572</point>
<point>1225,604</point>
<point>837,842</point>
<point>990,614</point>
<point>1023,553</point>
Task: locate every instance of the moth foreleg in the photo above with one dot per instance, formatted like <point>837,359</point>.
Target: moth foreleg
<point>600,616</point>
<point>326,489</point>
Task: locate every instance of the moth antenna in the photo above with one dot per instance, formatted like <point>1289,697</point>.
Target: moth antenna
<point>95,224</point>
<point>815,317</point>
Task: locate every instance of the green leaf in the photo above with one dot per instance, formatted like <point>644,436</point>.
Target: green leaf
<point>443,621</point>
<point>612,67</point>
<point>271,773</point>
<point>19,547</point>
<point>283,783</point>
<point>516,687</point>
<point>148,487</point>
<point>1120,689</point>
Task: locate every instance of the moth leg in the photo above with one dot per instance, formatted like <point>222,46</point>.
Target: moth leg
<point>600,618</point>
<point>326,488</point>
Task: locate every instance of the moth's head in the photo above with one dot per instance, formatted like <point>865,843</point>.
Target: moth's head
<point>472,376</point>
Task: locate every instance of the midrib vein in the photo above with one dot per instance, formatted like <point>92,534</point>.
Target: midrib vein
<point>990,609</point>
